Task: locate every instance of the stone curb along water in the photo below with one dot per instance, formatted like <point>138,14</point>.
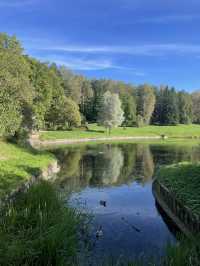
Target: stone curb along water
<point>47,173</point>
<point>35,141</point>
<point>187,222</point>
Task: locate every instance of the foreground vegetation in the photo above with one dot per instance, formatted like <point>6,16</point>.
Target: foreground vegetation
<point>17,165</point>
<point>183,180</point>
<point>94,131</point>
<point>38,228</point>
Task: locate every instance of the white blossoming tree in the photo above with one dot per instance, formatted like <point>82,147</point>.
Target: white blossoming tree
<point>110,114</point>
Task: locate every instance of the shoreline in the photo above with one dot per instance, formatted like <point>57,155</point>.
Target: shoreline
<point>187,222</point>
<point>45,173</point>
<point>35,142</point>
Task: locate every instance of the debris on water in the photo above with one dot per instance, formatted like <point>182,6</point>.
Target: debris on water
<point>131,225</point>
<point>99,232</point>
<point>103,203</point>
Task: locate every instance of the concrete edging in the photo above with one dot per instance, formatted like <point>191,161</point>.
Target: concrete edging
<point>182,216</point>
<point>37,142</point>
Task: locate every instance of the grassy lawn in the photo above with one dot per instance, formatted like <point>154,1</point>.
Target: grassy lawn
<point>184,181</point>
<point>17,165</point>
<point>180,131</point>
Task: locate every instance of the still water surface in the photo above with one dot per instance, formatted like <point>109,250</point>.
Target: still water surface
<point>114,183</point>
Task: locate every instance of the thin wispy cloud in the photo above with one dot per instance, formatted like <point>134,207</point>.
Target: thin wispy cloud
<point>81,64</point>
<point>90,65</point>
<point>143,49</point>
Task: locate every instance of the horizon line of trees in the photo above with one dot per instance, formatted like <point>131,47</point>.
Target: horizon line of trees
<point>36,95</point>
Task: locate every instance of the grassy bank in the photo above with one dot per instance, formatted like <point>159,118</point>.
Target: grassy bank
<point>183,180</point>
<point>39,228</point>
<point>17,165</point>
<point>179,131</point>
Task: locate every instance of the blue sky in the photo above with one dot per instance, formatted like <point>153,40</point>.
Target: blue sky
<point>137,41</point>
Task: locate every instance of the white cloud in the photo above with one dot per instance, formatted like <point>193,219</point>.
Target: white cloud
<point>81,64</point>
<point>89,65</point>
<point>143,49</point>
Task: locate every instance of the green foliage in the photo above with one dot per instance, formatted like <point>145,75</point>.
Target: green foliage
<point>129,108</point>
<point>41,80</point>
<point>183,181</point>
<point>33,96</point>
<point>16,90</point>
<point>167,107</point>
<point>38,228</point>
<point>145,103</point>
<point>196,106</point>
<point>64,115</point>
<point>185,108</point>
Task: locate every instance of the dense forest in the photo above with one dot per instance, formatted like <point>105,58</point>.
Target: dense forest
<point>36,96</point>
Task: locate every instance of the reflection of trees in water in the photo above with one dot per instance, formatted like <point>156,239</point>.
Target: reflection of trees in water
<point>144,168</point>
<point>107,165</point>
<point>118,164</point>
<point>129,152</point>
<point>169,154</point>
<point>70,175</point>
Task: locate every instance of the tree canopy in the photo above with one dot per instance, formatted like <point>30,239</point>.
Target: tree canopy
<point>35,95</point>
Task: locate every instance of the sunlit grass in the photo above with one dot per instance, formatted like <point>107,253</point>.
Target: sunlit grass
<point>179,131</point>
<point>17,165</point>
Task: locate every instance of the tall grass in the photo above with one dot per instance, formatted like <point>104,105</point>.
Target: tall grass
<point>39,229</point>
<point>187,253</point>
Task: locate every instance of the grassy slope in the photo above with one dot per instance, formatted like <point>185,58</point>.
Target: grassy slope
<point>184,181</point>
<point>98,132</point>
<point>17,165</point>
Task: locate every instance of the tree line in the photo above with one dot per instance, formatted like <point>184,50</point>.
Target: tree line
<point>36,96</point>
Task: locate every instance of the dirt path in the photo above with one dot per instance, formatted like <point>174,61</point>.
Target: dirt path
<point>35,141</point>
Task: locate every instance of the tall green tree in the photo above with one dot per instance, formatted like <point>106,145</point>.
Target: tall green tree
<point>15,89</point>
<point>185,108</point>
<point>129,108</point>
<point>196,107</point>
<point>64,115</point>
<point>167,107</point>
<point>145,102</point>
<point>171,108</point>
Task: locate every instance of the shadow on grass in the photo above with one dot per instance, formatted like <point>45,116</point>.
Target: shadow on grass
<point>95,131</point>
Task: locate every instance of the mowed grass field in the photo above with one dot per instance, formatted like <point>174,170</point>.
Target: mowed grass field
<point>17,165</point>
<point>95,131</point>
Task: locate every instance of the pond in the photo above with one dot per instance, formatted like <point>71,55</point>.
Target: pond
<point>114,183</point>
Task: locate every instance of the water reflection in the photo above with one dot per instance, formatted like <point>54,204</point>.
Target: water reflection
<point>121,175</point>
<point>108,165</point>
